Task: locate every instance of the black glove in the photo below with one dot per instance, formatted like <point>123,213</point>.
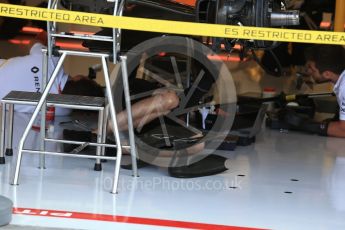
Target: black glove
<point>301,122</point>
<point>319,128</point>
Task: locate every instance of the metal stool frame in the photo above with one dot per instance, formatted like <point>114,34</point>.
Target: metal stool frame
<point>112,111</point>
<point>109,108</point>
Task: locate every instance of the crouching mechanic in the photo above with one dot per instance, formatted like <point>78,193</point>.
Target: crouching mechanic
<point>326,63</point>
<point>25,74</point>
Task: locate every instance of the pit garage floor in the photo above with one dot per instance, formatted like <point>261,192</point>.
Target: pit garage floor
<point>286,180</point>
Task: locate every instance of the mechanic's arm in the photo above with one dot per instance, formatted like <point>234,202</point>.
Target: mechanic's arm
<point>336,129</point>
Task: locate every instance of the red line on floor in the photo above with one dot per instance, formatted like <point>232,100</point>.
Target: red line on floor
<point>124,219</point>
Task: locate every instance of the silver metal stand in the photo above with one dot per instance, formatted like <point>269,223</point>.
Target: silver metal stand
<point>43,111</point>
<point>104,129</point>
<point>129,114</point>
<point>104,111</point>
<point>34,116</point>
<point>112,111</point>
<point>9,148</point>
<point>98,165</point>
<point>6,149</point>
<point>2,138</point>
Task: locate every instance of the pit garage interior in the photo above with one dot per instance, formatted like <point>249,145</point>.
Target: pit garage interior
<point>270,176</point>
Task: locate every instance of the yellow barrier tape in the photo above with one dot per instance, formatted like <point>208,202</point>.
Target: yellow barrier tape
<point>172,27</point>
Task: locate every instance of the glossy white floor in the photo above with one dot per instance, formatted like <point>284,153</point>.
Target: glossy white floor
<point>283,181</point>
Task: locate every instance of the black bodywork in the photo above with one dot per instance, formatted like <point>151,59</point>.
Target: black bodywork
<point>258,13</point>
<point>160,9</point>
<point>166,10</point>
